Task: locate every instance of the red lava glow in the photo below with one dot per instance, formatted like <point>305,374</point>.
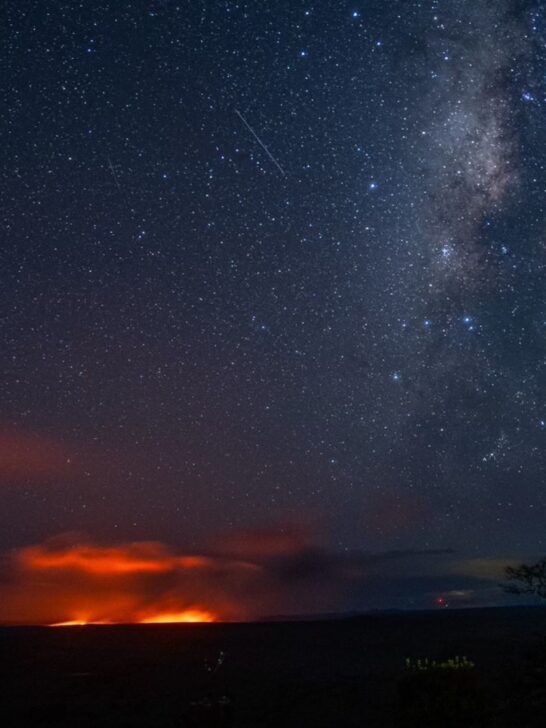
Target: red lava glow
<point>188,615</point>
<point>71,581</point>
<point>76,623</point>
<point>65,583</point>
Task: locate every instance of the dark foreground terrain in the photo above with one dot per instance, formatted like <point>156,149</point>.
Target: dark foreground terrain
<point>322,674</point>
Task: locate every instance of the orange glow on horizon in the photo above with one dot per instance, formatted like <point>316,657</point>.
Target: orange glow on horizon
<point>77,623</point>
<point>69,581</point>
<point>186,616</point>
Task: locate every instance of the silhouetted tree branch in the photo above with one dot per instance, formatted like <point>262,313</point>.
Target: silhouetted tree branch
<point>528,579</point>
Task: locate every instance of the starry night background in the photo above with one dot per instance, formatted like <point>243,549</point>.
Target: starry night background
<point>273,294</point>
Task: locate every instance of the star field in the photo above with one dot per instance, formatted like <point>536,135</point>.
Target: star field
<point>270,262</point>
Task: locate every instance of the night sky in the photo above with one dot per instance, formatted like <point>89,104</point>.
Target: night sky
<point>273,299</point>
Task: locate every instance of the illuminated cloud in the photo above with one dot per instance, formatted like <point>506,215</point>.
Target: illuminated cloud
<point>31,457</point>
<point>138,558</point>
<point>71,580</point>
<point>267,542</point>
<point>487,569</point>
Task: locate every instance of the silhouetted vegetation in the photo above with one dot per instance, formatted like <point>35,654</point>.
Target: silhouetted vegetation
<point>527,579</point>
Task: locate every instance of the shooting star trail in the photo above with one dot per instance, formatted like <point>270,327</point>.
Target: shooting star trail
<point>266,150</point>
<point>114,175</point>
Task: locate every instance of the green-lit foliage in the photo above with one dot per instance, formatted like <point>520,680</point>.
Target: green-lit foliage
<point>447,693</point>
<point>422,665</point>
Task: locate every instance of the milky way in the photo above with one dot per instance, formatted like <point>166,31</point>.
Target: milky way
<point>473,135</point>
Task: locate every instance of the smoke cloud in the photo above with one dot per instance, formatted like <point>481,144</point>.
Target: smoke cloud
<point>249,575</point>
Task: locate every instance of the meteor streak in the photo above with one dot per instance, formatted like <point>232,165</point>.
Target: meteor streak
<point>260,142</point>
